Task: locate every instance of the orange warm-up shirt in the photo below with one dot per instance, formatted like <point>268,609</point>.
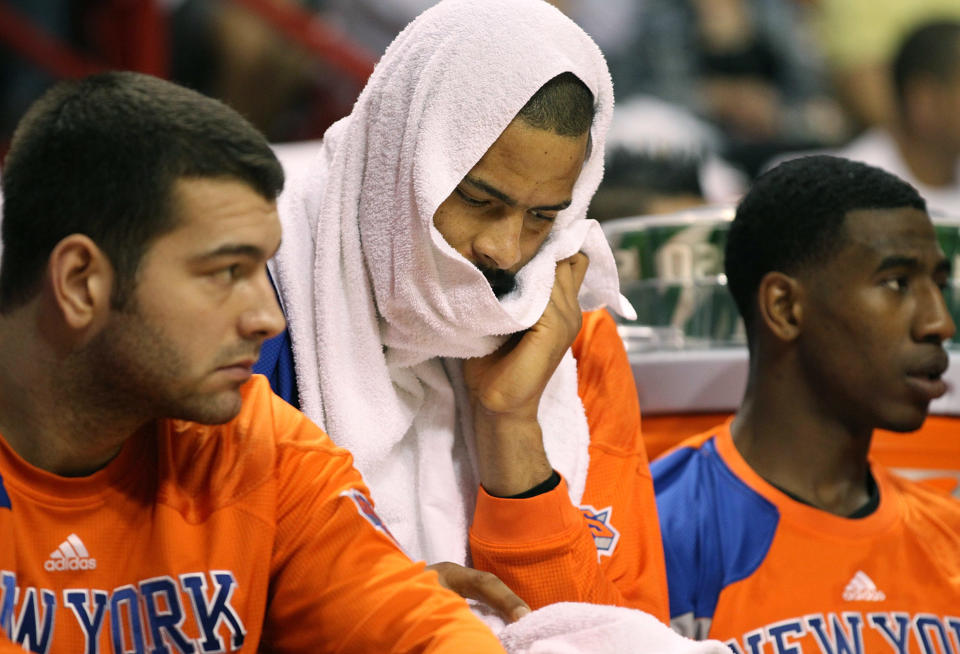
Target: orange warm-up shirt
<point>608,549</point>
<point>767,574</point>
<point>256,535</point>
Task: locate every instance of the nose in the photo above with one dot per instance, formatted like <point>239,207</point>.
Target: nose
<point>933,322</point>
<point>263,318</point>
<point>498,243</point>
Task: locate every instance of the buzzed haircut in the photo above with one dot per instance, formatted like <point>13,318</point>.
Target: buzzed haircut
<point>931,50</point>
<point>793,217</point>
<point>100,157</point>
<point>563,105</point>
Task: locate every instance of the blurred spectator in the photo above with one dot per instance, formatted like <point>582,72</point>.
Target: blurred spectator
<point>610,23</point>
<point>641,183</point>
<point>742,64</point>
<point>226,51</point>
<point>660,159</point>
<point>21,84</point>
<point>219,47</point>
<point>922,144</point>
<point>858,39</point>
<point>372,23</point>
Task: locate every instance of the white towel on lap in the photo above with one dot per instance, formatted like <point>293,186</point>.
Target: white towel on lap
<point>374,296</point>
<point>574,628</point>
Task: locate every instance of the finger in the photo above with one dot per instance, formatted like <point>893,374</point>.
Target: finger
<point>489,589</point>
<point>569,277</point>
<point>482,586</point>
<point>444,571</point>
<point>578,266</point>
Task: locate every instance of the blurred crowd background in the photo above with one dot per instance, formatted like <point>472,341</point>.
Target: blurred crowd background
<point>709,92</point>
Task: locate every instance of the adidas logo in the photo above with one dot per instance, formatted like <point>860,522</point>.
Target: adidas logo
<point>862,589</point>
<point>71,555</point>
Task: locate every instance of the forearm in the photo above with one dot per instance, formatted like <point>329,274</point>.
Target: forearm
<point>510,454</point>
<point>549,550</point>
<point>508,534</point>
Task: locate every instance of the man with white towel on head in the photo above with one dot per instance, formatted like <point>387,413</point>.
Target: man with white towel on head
<point>435,266</point>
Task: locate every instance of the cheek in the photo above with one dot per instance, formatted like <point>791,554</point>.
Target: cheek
<point>449,224</point>
<point>533,240</point>
<point>189,321</point>
<point>840,342</point>
<point>864,354</point>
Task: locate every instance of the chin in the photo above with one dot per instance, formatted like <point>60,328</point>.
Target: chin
<point>907,422</point>
<point>213,410</point>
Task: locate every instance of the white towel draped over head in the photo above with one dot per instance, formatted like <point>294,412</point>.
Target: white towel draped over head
<point>381,309</point>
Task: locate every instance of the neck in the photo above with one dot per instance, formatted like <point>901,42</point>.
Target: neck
<point>930,161</point>
<point>794,442</point>
<point>46,415</point>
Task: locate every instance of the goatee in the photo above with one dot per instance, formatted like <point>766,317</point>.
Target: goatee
<point>501,281</point>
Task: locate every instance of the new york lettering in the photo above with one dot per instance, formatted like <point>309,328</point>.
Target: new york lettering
<point>904,633</point>
<point>145,617</point>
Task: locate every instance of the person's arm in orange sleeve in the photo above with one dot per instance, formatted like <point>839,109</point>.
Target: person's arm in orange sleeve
<point>339,582</point>
<point>7,646</point>
<point>545,548</point>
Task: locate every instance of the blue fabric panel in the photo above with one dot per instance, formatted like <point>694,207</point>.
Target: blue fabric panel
<point>276,364</point>
<point>716,530</point>
<point>4,497</point>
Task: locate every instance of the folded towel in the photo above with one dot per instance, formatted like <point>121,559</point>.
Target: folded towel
<point>575,628</point>
<point>381,309</point>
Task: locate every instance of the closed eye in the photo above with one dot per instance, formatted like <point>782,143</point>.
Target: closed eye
<point>470,200</point>
<point>544,216</point>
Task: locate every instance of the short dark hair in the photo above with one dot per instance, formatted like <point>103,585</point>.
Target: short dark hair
<point>563,105</point>
<point>99,156</point>
<point>793,217</point>
<point>932,50</point>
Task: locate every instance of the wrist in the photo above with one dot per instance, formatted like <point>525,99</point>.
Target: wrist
<point>544,486</point>
<point>510,455</point>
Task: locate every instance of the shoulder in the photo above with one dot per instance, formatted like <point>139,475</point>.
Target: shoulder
<point>606,385</point>
<point>923,503</point>
<point>695,472</point>
<point>216,465</point>
<point>597,333</point>
<point>716,530</point>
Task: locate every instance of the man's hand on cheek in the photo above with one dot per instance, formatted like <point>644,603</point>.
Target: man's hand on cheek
<point>505,389</point>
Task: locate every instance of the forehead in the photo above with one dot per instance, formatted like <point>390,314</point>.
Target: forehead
<point>527,162</point>
<point>209,211</point>
<point>889,232</point>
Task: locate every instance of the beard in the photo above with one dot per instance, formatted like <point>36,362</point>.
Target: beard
<point>501,281</point>
<point>140,369</point>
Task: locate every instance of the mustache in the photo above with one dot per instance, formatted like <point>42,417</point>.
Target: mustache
<point>501,281</point>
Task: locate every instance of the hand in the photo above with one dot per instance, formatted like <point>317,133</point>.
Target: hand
<point>482,586</point>
<point>511,380</point>
<point>505,389</point>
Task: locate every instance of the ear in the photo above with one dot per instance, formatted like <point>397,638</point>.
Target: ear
<point>81,281</point>
<point>780,305</point>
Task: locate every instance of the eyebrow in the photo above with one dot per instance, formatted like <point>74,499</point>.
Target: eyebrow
<point>232,250</point>
<point>506,199</point>
<point>898,261</point>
